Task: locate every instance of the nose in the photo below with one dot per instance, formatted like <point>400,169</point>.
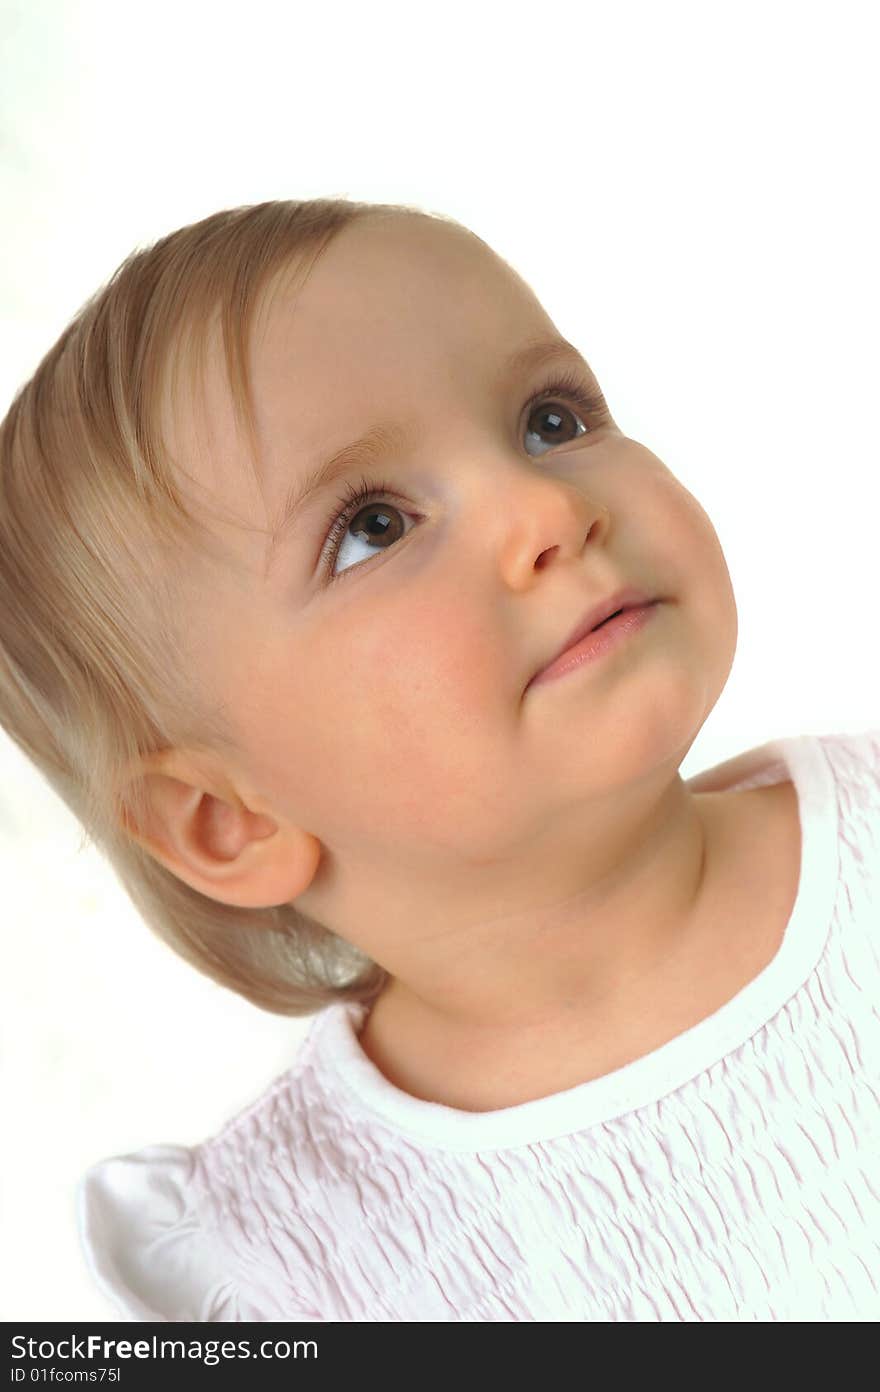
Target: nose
<point>542,519</point>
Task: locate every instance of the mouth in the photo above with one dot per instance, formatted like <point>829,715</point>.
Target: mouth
<point>608,620</point>
<point>598,615</point>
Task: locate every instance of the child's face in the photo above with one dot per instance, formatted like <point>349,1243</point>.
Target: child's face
<point>385,713</point>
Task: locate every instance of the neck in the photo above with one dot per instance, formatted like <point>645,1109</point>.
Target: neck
<point>587,955</point>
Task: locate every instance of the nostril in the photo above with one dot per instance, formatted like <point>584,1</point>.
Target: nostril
<point>544,557</point>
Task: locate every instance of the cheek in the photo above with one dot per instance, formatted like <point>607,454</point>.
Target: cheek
<point>406,713</point>
<point>424,673</point>
<point>698,577</point>
<point>694,556</point>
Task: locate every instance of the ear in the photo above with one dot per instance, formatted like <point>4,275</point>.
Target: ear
<point>203,831</point>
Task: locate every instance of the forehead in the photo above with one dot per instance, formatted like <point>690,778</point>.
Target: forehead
<point>393,308</point>
<point>386,293</point>
<point>397,312</point>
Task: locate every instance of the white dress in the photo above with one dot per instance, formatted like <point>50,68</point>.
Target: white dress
<point>733,1174</point>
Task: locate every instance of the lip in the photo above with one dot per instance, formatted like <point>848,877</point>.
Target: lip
<point>627,598</point>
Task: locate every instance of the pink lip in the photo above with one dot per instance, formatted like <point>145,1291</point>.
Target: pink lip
<point>597,641</point>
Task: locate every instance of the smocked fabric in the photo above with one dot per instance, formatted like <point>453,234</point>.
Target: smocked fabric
<point>731,1174</point>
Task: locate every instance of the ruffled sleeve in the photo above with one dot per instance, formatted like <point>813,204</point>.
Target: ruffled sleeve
<point>145,1245</point>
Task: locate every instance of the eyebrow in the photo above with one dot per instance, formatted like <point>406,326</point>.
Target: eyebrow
<point>385,438</point>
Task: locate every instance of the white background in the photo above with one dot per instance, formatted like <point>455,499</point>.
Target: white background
<point>690,189</point>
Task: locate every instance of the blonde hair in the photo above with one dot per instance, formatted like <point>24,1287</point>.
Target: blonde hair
<point>94,669</point>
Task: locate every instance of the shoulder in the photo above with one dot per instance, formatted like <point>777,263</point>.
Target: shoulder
<point>733,770</point>
<point>852,758</point>
<point>853,762</point>
<point>144,1241</point>
<point>855,759</point>
<point>176,1232</point>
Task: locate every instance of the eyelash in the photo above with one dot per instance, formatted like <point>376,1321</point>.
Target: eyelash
<point>569,385</point>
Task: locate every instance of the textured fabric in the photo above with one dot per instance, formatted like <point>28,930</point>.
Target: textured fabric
<point>731,1174</point>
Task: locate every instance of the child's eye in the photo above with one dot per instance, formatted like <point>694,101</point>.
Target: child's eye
<point>378,521</point>
<point>588,398</point>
